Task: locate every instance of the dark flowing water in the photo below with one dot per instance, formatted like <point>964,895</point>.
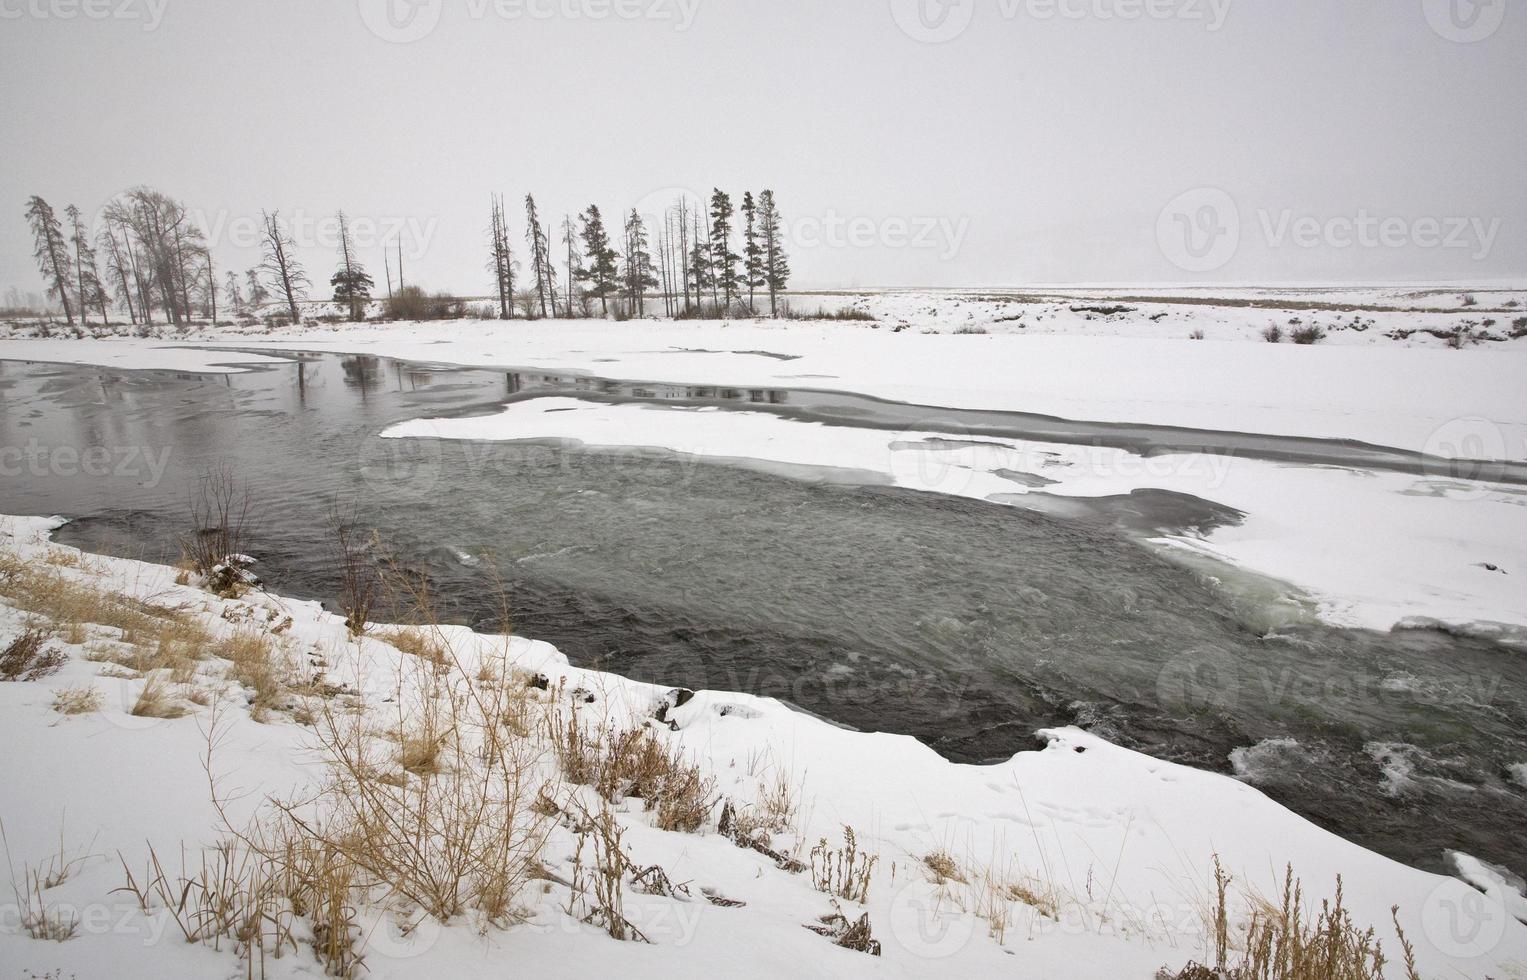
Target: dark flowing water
<point>966,624</point>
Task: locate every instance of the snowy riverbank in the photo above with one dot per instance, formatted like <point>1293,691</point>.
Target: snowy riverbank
<point>1101,858</point>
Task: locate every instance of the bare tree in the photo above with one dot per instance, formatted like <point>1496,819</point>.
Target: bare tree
<point>87,277</point>
<point>281,266</point>
<point>501,261</point>
<point>51,252</point>
<point>120,267</point>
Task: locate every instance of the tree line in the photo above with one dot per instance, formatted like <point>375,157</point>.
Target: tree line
<point>148,255</point>
<point>688,262</point>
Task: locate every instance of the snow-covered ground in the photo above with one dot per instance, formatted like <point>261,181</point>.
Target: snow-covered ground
<point>1102,858</point>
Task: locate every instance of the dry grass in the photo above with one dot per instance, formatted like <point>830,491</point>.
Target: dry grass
<point>943,867</point>
<point>844,872</point>
<point>1290,940</point>
<point>156,700</point>
<point>80,700</point>
<point>424,643</point>
<point>461,834</point>
<point>230,899</point>
<point>253,660</point>
<point>850,934</point>
<point>621,764</point>
<point>39,918</point>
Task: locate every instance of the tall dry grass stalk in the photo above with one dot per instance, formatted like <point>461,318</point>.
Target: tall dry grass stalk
<point>1288,939</point>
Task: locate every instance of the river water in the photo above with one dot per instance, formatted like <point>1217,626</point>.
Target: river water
<point>966,624</point>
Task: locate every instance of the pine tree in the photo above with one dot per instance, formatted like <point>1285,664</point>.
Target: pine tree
<point>87,277</point>
<point>281,266</point>
<point>574,260</point>
<point>351,284</point>
<point>601,272</point>
<point>723,259</point>
<point>51,252</point>
<point>231,292</point>
<point>699,265</point>
<point>540,257</point>
<point>752,251</point>
<point>776,265</point>
<point>638,273</point>
<point>258,294</point>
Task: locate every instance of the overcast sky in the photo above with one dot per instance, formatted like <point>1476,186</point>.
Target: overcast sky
<point>909,142</point>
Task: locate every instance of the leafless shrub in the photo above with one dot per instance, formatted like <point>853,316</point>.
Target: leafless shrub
<point>598,882</point>
<point>1306,335</point>
<point>357,577</point>
<point>25,658</point>
<point>459,833</point>
<point>222,524</point>
<point>1273,334</point>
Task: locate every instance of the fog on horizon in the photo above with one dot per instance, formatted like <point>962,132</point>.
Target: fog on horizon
<point>909,142</point>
